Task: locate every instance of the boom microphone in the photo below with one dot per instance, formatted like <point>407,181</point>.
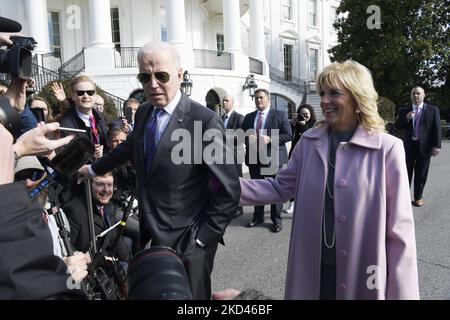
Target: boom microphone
<point>66,163</point>
<point>8,25</point>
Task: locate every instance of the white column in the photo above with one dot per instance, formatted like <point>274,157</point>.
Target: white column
<point>257,48</point>
<point>99,56</point>
<point>100,24</point>
<point>176,22</point>
<point>176,32</point>
<point>232,26</point>
<point>232,35</point>
<point>36,12</point>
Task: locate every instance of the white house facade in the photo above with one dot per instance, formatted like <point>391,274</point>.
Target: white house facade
<point>282,43</point>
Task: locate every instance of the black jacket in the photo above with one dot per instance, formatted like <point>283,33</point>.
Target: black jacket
<point>276,120</point>
<point>175,199</point>
<point>76,212</point>
<point>430,128</point>
<point>29,269</point>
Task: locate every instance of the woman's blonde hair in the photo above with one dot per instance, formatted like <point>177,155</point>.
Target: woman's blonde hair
<point>357,79</point>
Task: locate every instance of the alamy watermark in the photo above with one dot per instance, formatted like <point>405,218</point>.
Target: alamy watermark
<point>373,280</point>
<point>212,147</point>
<point>374,20</point>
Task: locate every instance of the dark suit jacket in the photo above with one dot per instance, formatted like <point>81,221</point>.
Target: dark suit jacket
<point>175,200</point>
<point>29,269</point>
<point>71,120</point>
<point>430,128</point>
<point>276,119</point>
<point>76,212</point>
<point>235,121</point>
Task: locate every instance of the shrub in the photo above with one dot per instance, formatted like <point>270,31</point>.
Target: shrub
<point>110,110</point>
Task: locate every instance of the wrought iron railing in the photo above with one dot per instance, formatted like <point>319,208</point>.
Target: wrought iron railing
<point>208,59</point>
<point>51,60</point>
<point>255,66</point>
<point>125,57</point>
<point>73,66</point>
<point>288,80</point>
<point>118,102</point>
<point>42,76</point>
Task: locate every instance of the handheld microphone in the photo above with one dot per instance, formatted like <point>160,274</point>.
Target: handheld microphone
<point>65,164</point>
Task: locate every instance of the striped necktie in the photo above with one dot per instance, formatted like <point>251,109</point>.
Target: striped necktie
<point>94,131</point>
<point>150,141</point>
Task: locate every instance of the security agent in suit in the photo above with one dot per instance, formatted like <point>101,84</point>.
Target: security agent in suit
<point>264,133</point>
<point>422,125</point>
<point>233,121</point>
<point>178,208</point>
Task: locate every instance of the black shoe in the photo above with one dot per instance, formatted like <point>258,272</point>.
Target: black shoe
<point>239,212</point>
<point>277,227</point>
<point>254,222</point>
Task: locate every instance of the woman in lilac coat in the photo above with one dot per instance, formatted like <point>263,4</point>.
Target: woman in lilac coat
<point>353,230</point>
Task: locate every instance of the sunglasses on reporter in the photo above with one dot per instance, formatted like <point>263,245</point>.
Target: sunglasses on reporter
<point>82,92</point>
<point>31,174</point>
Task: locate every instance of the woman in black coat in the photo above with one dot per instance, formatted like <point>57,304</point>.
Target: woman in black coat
<point>305,119</point>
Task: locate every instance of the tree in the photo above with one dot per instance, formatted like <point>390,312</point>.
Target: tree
<point>410,47</point>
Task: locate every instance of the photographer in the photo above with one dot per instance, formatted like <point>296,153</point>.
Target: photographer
<point>25,238</point>
<point>305,119</point>
<point>30,171</point>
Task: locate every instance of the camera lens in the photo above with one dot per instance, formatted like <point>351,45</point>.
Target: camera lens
<point>158,274</point>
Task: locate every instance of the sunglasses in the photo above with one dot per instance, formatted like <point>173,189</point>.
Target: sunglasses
<point>32,174</point>
<point>82,92</point>
<point>161,76</point>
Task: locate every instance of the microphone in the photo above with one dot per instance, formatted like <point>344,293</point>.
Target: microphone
<point>65,164</point>
<point>8,25</point>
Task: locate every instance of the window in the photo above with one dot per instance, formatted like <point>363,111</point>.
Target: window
<point>333,18</point>
<point>220,42</point>
<point>287,59</point>
<point>313,62</point>
<point>163,34</point>
<point>312,13</point>
<point>115,27</point>
<point>54,33</point>
<point>286,9</point>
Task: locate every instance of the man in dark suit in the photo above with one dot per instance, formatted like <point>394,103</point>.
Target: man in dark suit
<point>233,121</point>
<point>84,116</point>
<point>266,149</point>
<point>185,200</point>
<point>104,211</point>
<point>422,125</point>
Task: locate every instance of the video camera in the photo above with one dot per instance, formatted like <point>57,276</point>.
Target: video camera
<point>16,60</point>
<point>300,117</point>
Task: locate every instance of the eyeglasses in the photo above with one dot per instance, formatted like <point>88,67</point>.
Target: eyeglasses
<point>32,174</point>
<point>161,76</point>
<point>305,114</point>
<point>82,92</point>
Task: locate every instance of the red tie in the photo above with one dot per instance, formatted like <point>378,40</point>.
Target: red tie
<point>259,123</point>
<point>94,131</point>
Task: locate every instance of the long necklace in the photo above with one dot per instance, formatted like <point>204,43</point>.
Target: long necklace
<point>331,195</point>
